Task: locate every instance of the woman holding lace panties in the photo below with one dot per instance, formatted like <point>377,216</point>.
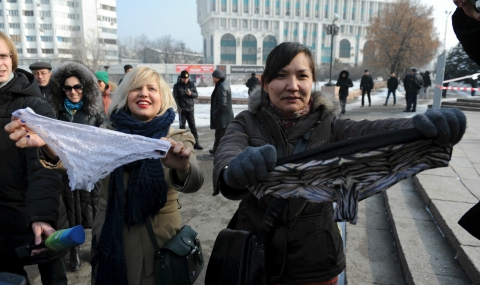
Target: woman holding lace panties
<point>130,196</point>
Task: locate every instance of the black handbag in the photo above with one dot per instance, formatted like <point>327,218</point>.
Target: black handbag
<point>180,260</point>
<point>469,221</point>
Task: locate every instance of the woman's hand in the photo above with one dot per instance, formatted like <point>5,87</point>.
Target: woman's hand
<point>178,158</point>
<point>22,135</point>
<point>468,8</point>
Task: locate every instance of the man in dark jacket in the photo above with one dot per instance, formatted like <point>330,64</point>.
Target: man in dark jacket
<point>42,72</point>
<point>252,82</point>
<point>412,83</point>
<point>29,193</point>
<point>446,76</point>
<point>392,85</point>
<point>184,91</point>
<point>366,85</point>
<point>221,112</point>
<point>427,82</point>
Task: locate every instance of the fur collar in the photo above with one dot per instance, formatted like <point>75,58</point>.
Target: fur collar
<point>92,97</point>
<point>332,106</point>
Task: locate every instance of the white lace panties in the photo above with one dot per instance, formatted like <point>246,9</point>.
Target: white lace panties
<point>90,153</point>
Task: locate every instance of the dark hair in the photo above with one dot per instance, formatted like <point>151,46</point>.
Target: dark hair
<point>280,57</point>
<point>127,67</point>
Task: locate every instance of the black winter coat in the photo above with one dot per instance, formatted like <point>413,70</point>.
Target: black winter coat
<point>468,33</point>
<point>252,82</point>
<point>344,83</point>
<point>185,102</point>
<point>79,204</point>
<point>28,191</point>
<point>427,82</point>
<point>412,83</point>
<point>221,112</point>
<point>366,82</point>
<point>392,83</point>
<point>445,78</point>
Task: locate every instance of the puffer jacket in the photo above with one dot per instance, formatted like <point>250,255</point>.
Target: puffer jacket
<point>311,247</point>
<point>185,102</point>
<point>79,204</point>
<point>28,192</point>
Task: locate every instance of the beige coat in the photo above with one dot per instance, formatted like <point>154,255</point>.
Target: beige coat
<point>137,244</point>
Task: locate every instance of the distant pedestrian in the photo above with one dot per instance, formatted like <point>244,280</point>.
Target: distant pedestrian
<point>427,83</point>
<point>412,83</point>
<point>103,80</point>
<point>42,72</point>
<point>474,84</point>
<point>252,82</point>
<point>446,76</point>
<point>126,68</point>
<point>392,85</point>
<point>366,85</point>
<point>221,112</point>
<point>344,82</point>
<point>184,91</point>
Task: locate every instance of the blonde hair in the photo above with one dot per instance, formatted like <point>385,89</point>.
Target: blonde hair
<point>138,78</point>
<point>12,48</point>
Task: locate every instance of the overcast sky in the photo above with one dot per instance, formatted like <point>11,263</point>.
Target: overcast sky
<point>156,18</point>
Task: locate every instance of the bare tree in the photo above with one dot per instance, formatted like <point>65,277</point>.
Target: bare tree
<point>403,35</point>
<point>89,50</point>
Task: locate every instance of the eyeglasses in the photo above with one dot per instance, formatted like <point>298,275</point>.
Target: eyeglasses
<point>77,87</point>
<point>5,56</point>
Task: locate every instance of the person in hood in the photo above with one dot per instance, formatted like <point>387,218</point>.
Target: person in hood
<point>42,72</point>
<point>285,117</point>
<point>252,82</point>
<point>77,99</point>
<point>427,83</point>
<point>392,85</point>
<point>29,193</point>
<point>344,83</point>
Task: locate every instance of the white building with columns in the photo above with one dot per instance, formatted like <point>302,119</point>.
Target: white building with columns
<point>243,32</point>
<point>47,30</point>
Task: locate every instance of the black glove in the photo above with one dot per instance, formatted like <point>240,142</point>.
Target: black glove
<point>250,166</point>
<point>446,124</point>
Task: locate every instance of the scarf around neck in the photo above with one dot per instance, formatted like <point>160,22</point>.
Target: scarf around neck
<point>71,107</point>
<point>288,120</point>
<point>146,195</point>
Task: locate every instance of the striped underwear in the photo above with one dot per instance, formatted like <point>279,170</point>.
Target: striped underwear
<point>349,171</point>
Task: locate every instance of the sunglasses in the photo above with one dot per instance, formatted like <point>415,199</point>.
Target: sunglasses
<point>77,87</point>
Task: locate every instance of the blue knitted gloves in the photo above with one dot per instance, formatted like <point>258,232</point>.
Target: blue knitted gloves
<point>447,125</point>
<point>250,166</point>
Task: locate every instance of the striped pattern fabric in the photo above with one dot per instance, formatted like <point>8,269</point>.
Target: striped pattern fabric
<point>351,175</point>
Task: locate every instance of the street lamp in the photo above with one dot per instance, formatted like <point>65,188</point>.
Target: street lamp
<point>106,67</point>
<point>332,30</point>
<point>447,13</point>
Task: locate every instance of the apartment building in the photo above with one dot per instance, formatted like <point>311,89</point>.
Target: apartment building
<point>56,30</point>
<point>243,32</point>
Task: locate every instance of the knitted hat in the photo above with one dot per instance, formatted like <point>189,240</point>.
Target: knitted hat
<point>184,74</point>
<point>218,74</point>
<point>102,76</point>
<point>40,65</point>
<point>366,70</point>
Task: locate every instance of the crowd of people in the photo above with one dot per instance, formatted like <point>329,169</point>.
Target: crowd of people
<point>286,115</point>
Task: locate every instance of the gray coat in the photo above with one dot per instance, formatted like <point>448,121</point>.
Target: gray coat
<point>221,112</point>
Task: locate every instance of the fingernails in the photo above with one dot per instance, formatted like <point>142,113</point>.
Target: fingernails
<point>28,136</point>
<point>23,121</point>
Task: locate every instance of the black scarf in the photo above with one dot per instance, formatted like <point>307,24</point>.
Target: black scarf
<point>146,195</point>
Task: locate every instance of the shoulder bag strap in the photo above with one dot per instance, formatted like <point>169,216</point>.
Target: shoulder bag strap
<point>148,223</point>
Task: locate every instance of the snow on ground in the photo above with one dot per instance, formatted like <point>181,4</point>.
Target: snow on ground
<point>202,111</point>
